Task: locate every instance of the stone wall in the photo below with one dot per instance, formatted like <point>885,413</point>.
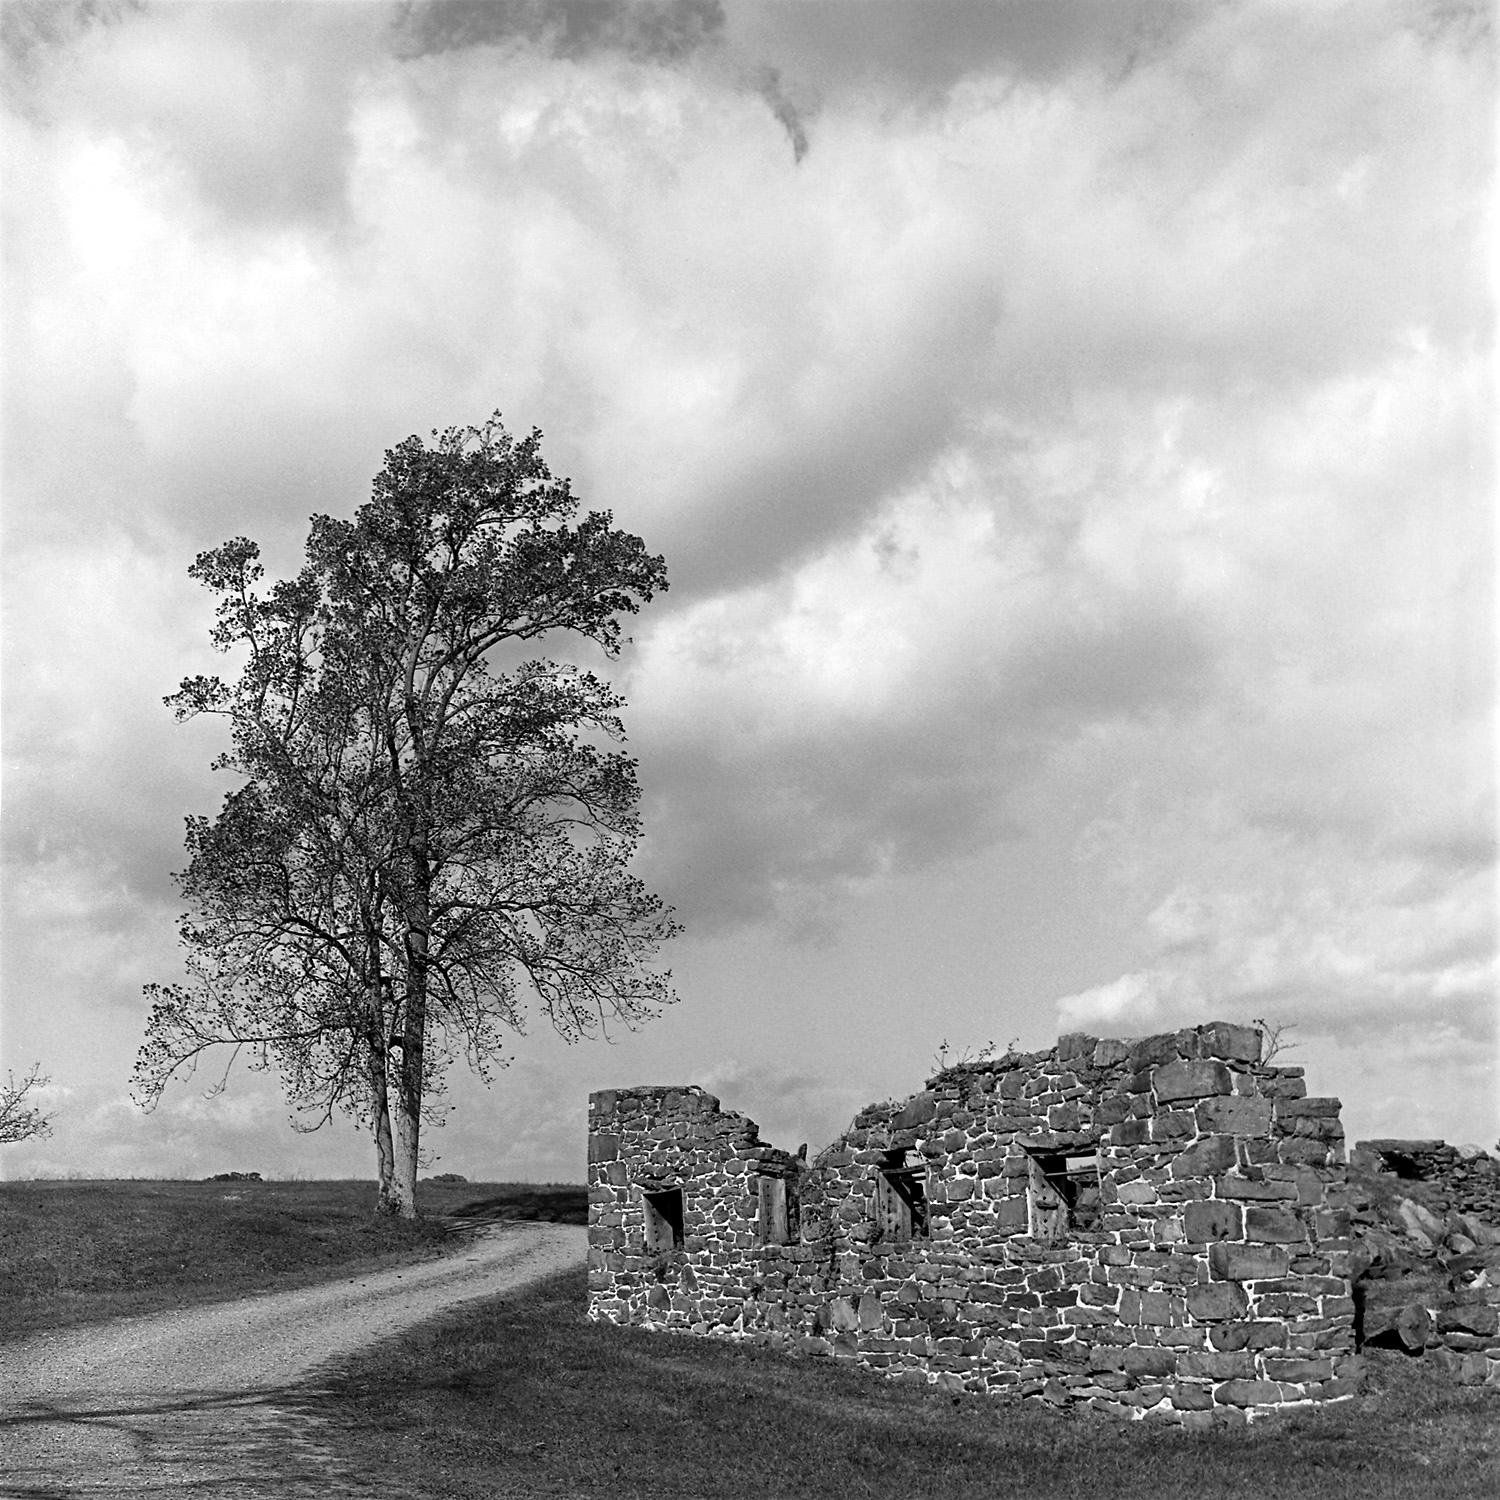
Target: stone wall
<point>1137,1226</point>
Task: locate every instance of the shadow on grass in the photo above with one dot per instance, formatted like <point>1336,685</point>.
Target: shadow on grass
<point>209,1443</point>
<point>556,1203</point>
<point>522,1397</point>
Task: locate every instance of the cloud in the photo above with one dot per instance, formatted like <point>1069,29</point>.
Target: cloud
<point>791,1106</point>
<point>1127,1001</point>
<point>1090,431</point>
<point>243,109</point>
<point>923,51</point>
<point>872,711</point>
<point>655,30</point>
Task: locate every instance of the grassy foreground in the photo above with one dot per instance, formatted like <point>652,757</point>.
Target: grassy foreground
<point>77,1252</point>
<point>522,1397</point>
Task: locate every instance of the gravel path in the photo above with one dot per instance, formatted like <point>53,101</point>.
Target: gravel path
<point>184,1403</point>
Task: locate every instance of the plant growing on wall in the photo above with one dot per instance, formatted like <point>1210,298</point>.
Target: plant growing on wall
<point>427,830</point>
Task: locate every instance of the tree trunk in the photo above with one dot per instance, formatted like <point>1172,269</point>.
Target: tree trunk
<point>404,1177</point>
<point>410,1068</point>
<point>387,1199</point>
<point>406,1101</point>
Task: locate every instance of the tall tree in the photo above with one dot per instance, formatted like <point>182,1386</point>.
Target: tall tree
<point>423,835</point>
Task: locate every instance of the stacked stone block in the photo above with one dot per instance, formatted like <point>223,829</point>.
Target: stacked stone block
<point>1211,1284</point>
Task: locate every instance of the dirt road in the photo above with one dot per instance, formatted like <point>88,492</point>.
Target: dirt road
<point>185,1403</point>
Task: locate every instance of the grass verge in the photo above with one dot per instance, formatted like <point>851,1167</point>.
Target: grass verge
<point>522,1397</point>
<point>79,1252</point>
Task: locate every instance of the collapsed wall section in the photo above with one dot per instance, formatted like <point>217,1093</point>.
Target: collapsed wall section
<point>1157,1225</point>
<point>1464,1179</point>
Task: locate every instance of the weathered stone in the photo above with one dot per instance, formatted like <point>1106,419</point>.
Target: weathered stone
<point>1273,1225</point>
<point>1190,1079</point>
<point>1173,1125</point>
<point>1406,1327</point>
<point>1217,1300</point>
<point>1150,1050</point>
<point>1254,1189</point>
<point>1476,1317</point>
<point>1075,1045</point>
<point>1231,1262</point>
<point>1214,1365</point>
<point>1327,1108</point>
<point>1299,1371</point>
<point>1233,1043</point>
<point>1415,1216</point>
<point>1207,1157</point>
<point>1234,1116</point>
<point>1294,1149</point>
<point>915,1111</point>
<point>1192,1397</point>
<point>1150,1361</point>
<point>1248,1393</point>
<point>1213,1219</point>
<point>603,1147</point>
<point>1238,1336</point>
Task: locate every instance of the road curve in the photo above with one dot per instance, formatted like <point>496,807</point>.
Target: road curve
<point>183,1403</point>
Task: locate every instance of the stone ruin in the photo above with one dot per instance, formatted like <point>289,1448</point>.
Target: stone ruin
<point>1141,1227</point>
<point>1424,1216</point>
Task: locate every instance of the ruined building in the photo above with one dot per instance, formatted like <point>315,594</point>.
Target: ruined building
<point>1142,1226</point>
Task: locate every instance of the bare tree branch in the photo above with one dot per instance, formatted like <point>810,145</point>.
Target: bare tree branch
<point>21,1119</point>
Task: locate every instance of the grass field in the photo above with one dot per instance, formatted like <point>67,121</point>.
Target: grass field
<point>75,1252</point>
<point>525,1398</point>
<point>522,1397</point>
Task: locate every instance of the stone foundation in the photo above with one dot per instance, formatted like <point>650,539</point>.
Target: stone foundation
<point>1154,1226</point>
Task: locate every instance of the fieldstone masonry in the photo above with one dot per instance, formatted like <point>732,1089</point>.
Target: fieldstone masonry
<point>1154,1226</point>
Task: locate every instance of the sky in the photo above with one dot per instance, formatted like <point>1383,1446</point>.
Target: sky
<point>1070,428</point>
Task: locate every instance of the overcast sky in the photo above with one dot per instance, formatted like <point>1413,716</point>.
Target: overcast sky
<point>1069,427</point>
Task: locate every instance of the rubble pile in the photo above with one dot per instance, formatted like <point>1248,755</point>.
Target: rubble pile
<point>1425,1217</point>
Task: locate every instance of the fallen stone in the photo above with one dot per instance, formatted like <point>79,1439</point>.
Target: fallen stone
<point>1414,1216</point>
<point>1405,1328</point>
<point>1474,1317</point>
<point>1467,1369</point>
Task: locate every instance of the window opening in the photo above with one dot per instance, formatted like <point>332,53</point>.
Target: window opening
<point>901,1197</point>
<point>663,1219</point>
<point>775,1211</point>
<point>1062,1194</point>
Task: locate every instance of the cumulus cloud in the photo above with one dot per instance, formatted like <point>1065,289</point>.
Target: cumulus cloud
<point>873,710</point>
<point>1082,426</point>
<point>792,1106</point>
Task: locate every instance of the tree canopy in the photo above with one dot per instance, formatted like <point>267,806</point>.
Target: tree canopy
<point>425,836</point>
